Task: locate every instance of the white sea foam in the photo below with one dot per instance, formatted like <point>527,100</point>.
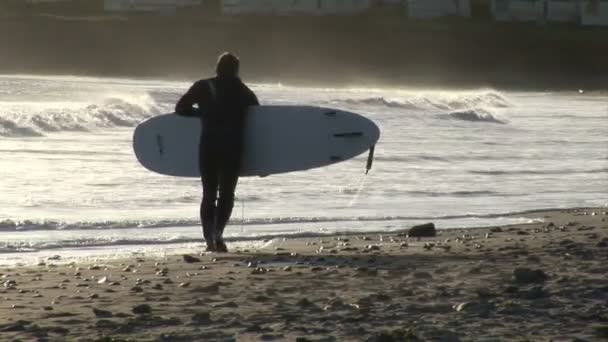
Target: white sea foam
<point>30,119</point>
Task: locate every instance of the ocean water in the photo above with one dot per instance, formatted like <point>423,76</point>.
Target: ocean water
<point>69,180</point>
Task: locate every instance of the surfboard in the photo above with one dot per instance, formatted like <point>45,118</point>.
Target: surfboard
<point>278,139</point>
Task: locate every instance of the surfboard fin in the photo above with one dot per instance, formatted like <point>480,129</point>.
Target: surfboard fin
<point>370,159</point>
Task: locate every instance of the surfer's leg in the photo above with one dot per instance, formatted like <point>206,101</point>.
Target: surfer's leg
<point>225,203</point>
<point>208,208</point>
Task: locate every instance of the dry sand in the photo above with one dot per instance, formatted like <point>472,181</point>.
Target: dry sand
<point>541,281</point>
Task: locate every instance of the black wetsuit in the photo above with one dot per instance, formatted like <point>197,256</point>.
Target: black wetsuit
<point>222,105</point>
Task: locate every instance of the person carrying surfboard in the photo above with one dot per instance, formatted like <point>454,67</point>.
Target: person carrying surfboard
<point>221,103</point>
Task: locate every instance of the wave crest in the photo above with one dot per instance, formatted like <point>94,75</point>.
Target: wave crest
<point>433,102</point>
<point>30,120</point>
<point>9,128</point>
<point>473,115</point>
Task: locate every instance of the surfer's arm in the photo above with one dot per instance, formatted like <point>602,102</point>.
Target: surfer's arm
<point>185,105</point>
<point>252,99</point>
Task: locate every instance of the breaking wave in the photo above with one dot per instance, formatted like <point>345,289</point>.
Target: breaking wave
<point>9,128</point>
<point>433,102</point>
<point>473,116</point>
<point>33,120</point>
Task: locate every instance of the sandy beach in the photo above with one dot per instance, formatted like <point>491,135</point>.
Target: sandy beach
<point>539,281</point>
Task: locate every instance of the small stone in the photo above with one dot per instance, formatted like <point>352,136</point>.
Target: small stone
<point>526,276</point>
<point>423,230</point>
<point>304,302</point>
<point>190,259</point>
<point>10,284</point>
<point>93,296</point>
<point>102,280</point>
<point>47,308</point>
<point>137,289</point>
<point>201,317</point>
<point>287,268</point>
<point>102,313</point>
<point>462,306</point>
<point>142,309</point>
<point>185,284</point>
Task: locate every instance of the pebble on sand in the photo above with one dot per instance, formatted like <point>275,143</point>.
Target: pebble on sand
<point>190,259</point>
<point>102,313</point>
<point>142,309</point>
<point>423,230</point>
<point>10,284</point>
<point>526,275</point>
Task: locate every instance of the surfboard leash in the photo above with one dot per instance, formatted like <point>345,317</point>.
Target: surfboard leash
<point>370,159</point>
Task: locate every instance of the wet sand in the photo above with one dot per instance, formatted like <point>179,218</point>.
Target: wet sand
<point>539,281</point>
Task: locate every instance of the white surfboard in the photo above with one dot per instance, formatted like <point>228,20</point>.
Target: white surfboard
<point>278,139</point>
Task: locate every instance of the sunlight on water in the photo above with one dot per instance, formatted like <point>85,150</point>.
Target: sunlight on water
<point>453,157</point>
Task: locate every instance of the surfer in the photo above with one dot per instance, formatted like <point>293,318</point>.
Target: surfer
<point>221,103</point>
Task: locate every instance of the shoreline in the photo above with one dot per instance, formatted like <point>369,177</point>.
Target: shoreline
<point>104,249</point>
<point>537,280</point>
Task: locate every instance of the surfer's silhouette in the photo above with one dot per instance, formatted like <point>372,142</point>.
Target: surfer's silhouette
<point>222,103</point>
